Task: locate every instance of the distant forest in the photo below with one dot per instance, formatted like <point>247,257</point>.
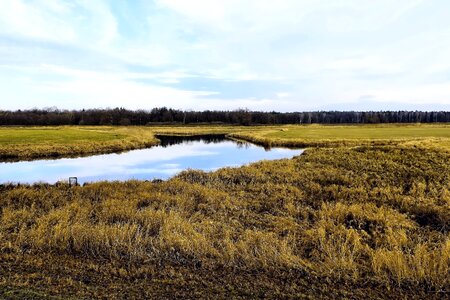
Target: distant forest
<point>121,116</point>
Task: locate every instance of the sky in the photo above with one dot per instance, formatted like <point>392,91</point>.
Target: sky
<point>284,55</point>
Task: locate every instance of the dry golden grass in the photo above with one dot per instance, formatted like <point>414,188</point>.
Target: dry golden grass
<point>340,215</point>
<point>367,218</point>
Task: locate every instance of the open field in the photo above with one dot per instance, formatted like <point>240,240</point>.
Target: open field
<point>40,142</point>
<point>366,218</point>
<point>56,135</point>
<point>391,131</point>
<point>350,135</point>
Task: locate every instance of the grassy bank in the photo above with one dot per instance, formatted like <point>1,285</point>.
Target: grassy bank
<point>362,222</point>
<point>420,135</point>
<point>40,142</point>
<point>27,143</point>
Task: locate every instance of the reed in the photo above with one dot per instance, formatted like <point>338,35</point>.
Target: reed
<point>332,218</point>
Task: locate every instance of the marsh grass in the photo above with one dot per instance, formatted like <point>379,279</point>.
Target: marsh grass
<point>368,217</point>
<point>377,214</point>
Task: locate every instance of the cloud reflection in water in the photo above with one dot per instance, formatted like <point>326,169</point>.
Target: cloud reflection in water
<point>155,162</point>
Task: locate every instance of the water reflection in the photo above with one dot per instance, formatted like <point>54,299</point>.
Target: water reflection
<point>170,140</point>
<point>161,161</point>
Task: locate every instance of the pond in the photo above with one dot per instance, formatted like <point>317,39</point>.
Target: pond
<point>172,156</point>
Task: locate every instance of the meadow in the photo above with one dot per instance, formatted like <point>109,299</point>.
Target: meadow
<point>27,143</point>
<point>436,136</point>
<point>361,216</point>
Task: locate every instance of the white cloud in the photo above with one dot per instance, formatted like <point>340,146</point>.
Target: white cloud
<point>97,89</point>
<point>434,93</point>
<point>85,22</point>
<point>309,53</point>
<point>17,17</point>
<point>104,89</point>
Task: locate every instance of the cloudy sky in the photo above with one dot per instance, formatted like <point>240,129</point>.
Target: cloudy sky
<point>283,55</point>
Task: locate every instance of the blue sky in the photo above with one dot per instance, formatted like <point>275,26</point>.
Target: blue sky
<point>284,55</point>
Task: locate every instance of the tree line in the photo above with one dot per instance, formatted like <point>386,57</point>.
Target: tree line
<point>163,115</point>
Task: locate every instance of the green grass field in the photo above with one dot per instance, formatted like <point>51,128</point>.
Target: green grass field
<point>315,132</point>
<point>28,143</point>
<point>56,135</point>
<point>40,142</point>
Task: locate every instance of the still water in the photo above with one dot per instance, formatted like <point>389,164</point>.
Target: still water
<point>174,155</point>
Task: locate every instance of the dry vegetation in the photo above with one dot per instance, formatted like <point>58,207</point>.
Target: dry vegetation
<point>364,222</point>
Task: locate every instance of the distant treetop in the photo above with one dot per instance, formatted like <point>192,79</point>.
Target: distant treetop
<point>163,115</point>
